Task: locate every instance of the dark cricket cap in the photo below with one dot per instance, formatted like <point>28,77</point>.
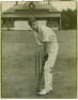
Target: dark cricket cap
<point>31,19</point>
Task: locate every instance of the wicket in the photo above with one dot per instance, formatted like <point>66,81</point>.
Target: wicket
<point>39,67</point>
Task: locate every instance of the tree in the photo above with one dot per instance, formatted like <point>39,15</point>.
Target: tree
<point>69,19</point>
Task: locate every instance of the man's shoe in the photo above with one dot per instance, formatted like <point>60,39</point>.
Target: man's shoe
<point>45,91</point>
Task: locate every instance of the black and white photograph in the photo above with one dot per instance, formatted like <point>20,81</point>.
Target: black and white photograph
<point>39,49</point>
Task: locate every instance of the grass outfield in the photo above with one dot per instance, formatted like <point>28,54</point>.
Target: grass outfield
<point>18,65</point>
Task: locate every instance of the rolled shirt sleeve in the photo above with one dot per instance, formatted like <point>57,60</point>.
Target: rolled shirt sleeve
<point>47,35</point>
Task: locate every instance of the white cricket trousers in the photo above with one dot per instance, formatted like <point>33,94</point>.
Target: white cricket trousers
<point>48,67</point>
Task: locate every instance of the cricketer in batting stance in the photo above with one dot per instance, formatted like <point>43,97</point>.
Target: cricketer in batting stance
<point>46,37</point>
